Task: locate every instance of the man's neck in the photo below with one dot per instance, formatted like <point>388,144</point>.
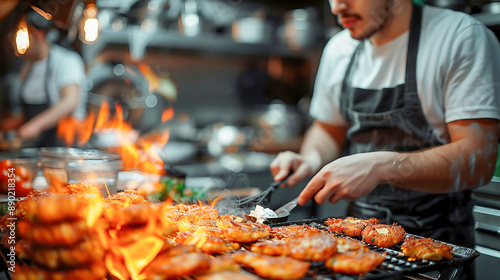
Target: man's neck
<point>397,24</point>
<point>43,51</point>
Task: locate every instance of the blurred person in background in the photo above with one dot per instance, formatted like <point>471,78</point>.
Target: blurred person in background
<point>406,106</point>
<point>51,86</point>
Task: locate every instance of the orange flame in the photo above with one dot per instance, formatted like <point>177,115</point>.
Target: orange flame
<point>106,186</point>
<point>66,130</point>
<point>103,115</point>
<point>146,155</point>
<point>152,79</point>
<point>85,131</point>
<point>216,200</point>
<point>139,254</point>
<point>94,211</point>
<point>115,267</point>
<point>167,115</point>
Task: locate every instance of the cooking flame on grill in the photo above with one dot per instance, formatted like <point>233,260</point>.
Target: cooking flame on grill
<point>93,212</point>
<point>138,255</point>
<point>145,155</point>
<point>127,261</point>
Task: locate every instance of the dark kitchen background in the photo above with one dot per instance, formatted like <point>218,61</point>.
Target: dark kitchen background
<point>238,75</point>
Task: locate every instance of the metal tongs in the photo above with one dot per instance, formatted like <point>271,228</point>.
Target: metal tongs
<point>262,197</point>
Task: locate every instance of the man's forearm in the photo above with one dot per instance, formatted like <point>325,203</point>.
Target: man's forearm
<point>457,166</point>
<point>322,145</point>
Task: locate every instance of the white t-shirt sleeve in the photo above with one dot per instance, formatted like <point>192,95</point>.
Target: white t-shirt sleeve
<point>325,103</point>
<point>70,71</point>
<point>472,85</point>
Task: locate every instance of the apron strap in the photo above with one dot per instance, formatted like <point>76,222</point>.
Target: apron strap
<point>411,56</point>
<point>344,102</point>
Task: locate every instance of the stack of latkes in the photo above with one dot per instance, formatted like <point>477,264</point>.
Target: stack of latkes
<point>58,235</point>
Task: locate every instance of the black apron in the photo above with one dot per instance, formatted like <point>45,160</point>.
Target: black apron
<point>47,138</point>
<point>393,119</point>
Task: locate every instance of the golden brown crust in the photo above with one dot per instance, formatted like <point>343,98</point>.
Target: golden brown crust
<point>227,275</point>
<point>134,214</point>
<point>315,248</point>
<point>126,198</point>
<point>348,244</point>
<point>426,249</point>
<point>349,226</point>
<point>54,208</point>
<point>208,244</point>
<point>272,267</point>
<point>223,263</point>
<point>247,232</point>
<point>358,262</point>
<point>270,247</point>
<point>383,235</point>
<point>181,265</point>
<point>60,234</point>
<point>291,231</point>
<point>80,188</point>
<point>96,271</point>
<point>86,251</point>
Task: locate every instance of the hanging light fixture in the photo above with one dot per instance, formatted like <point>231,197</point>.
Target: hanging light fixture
<point>89,26</point>
<point>21,37</point>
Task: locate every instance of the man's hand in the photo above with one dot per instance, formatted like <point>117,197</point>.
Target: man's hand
<point>347,178</point>
<point>12,122</point>
<point>29,131</point>
<point>287,162</point>
<point>322,144</point>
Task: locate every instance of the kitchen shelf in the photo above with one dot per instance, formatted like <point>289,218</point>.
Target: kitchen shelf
<point>212,44</point>
<point>489,19</point>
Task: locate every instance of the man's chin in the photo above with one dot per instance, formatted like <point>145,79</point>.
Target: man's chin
<point>355,34</point>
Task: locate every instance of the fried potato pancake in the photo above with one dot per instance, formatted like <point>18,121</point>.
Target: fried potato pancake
<point>426,249</point>
<point>126,198</point>
<point>86,251</point>
<point>358,262</point>
<point>383,235</point>
<point>223,263</point>
<point>96,271</point>
<point>291,231</point>
<point>164,267</point>
<point>227,275</point>
<point>59,234</point>
<point>270,247</point>
<point>318,247</point>
<point>54,208</point>
<point>349,226</point>
<point>247,232</point>
<point>208,244</point>
<point>80,188</point>
<point>134,214</point>
<point>272,267</point>
<point>315,248</point>
<point>349,244</point>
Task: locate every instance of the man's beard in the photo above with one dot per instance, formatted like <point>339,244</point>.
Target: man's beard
<point>376,24</point>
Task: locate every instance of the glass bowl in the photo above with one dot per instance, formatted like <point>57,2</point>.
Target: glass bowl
<point>70,166</point>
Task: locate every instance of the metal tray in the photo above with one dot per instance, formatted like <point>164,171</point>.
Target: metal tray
<point>395,266</point>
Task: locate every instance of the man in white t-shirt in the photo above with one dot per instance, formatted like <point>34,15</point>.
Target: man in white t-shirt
<point>411,96</point>
<point>51,86</point>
